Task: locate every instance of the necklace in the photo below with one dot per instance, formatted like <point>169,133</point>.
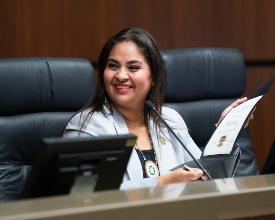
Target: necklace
<point>151,167</point>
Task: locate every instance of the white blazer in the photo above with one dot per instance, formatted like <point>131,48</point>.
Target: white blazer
<point>169,155</point>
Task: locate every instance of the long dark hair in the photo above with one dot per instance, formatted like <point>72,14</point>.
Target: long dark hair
<point>148,47</point>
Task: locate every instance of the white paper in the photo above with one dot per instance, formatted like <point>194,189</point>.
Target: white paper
<point>224,137</point>
<point>226,185</point>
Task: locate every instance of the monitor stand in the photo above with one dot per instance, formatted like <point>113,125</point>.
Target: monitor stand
<point>84,185</point>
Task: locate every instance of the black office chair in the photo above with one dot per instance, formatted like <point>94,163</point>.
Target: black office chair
<point>38,96</point>
<point>201,83</point>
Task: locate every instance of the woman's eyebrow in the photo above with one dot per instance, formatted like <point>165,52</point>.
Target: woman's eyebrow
<point>129,62</point>
<point>134,61</point>
<point>112,60</point>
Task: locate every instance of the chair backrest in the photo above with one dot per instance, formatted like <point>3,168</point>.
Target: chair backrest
<point>38,96</point>
<point>201,83</point>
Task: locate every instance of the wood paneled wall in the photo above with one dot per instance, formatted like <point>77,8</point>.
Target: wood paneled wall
<point>79,28</point>
<point>262,127</point>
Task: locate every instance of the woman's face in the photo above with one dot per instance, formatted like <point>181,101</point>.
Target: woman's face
<point>127,76</point>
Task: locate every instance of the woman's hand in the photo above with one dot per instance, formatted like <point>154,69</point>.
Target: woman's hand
<point>180,175</point>
<point>230,107</point>
<point>249,118</point>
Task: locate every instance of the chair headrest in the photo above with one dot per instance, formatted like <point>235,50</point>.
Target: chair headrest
<point>203,73</point>
<point>37,84</point>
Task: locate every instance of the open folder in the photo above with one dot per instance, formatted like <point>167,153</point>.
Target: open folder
<point>221,155</point>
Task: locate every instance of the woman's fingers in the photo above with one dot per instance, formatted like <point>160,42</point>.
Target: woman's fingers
<point>193,175</point>
<point>180,175</point>
<point>250,118</point>
<point>230,107</point>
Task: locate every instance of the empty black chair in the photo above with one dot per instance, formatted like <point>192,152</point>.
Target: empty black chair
<point>37,96</point>
<point>201,83</point>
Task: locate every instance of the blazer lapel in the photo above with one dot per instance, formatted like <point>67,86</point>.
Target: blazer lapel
<point>119,123</point>
<point>134,167</point>
<point>165,151</point>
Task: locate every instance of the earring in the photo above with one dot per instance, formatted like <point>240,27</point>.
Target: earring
<point>106,103</point>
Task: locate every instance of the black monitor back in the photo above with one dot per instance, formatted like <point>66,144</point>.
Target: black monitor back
<point>62,160</point>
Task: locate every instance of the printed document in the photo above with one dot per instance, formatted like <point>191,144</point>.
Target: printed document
<point>224,137</point>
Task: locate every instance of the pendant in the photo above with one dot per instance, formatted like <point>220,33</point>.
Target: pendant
<point>151,169</point>
<point>162,140</point>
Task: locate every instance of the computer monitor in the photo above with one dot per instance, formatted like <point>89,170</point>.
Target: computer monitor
<point>61,160</point>
<point>269,165</point>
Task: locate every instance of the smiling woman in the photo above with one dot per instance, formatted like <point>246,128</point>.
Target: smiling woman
<point>131,71</point>
<point>127,77</point>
